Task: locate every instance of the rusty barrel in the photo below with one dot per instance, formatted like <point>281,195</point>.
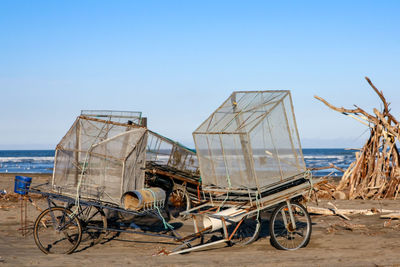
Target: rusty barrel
<point>143,198</point>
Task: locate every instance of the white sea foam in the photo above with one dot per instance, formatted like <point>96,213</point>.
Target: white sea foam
<point>341,157</point>
<point>26,159</point>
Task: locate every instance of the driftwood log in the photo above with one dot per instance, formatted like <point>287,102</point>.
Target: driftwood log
<point>375,174</point>
<point>340,212</point>
<point>391,216</point>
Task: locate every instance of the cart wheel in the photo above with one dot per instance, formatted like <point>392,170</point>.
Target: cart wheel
<point>57,231</point>
<point>287,237</point>
<point>247,232</point>
<point>94,223</point>
<point>178,201</point>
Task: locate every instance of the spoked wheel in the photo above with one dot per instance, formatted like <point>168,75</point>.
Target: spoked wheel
<point>247,231</point>
<point>286,236</point>
<point>178,201</point>
<point>57,230</point>
<point>93,221</point>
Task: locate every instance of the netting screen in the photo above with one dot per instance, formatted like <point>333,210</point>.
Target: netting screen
<point>162,151</point>
<point>250,141</point>
<point>115,115</point>
<point>102,159</point>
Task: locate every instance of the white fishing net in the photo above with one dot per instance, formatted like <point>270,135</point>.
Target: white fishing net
<point>164,152</point>
<point>101,158</point>
<point>250,141</point>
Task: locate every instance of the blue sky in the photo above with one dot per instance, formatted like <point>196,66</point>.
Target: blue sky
<point>176,61</point>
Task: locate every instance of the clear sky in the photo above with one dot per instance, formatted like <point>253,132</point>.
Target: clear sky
<point>176,61</point>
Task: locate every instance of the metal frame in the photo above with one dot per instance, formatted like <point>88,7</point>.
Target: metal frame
<point>252,206</point>
<point>219,123</point>
<point>61,151</point>
<point>148,211</point>
<point>247,199</point>
<point>255,203</point>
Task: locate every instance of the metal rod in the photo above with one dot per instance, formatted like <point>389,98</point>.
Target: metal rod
<point>197,234</point>
<point>236,228</point>
<point>199,247</point>
<point>225,229</point>
<point>136,232</point>
<point>291,214</point>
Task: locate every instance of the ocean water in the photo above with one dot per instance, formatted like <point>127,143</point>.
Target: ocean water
<point>321,157</point>
<point>26,161</point>
<point>42,161</point>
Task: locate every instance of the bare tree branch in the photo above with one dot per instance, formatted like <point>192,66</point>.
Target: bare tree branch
<point>380,94</point>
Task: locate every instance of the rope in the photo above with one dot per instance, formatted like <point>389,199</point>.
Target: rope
<point>258,205</point>
<point>166,224</point>
<point>85,163</point>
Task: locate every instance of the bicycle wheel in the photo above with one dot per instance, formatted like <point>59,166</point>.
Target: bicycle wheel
<point>57,231</point>
<point>93,221</point>
<point>283,233</point>
<point>247,232</point>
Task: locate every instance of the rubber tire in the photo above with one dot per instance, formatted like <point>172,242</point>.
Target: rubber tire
<point>36,234</point>
<point>274,240</point>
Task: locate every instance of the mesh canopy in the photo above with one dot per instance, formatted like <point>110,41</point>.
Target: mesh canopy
<point>115,115</point>
<point>161,152</point>
<point>164,152</point>
<point>103,158</point>
<point>250,141</point>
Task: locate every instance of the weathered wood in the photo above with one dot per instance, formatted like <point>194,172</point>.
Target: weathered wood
<point>338,212</point>
<point>375,173</point>
<point>390,216</point>
<point>339,195</point>
<point>330,166</point>
<point>331,212</point>
<point>380,94</point>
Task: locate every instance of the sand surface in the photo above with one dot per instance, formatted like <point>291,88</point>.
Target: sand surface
<point>370,241</point>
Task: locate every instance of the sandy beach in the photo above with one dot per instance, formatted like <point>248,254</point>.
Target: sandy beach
<point>362,241</point>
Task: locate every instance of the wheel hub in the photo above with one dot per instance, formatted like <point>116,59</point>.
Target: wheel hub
<point>290,227</point>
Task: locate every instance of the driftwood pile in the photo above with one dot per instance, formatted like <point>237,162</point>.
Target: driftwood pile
<point>375,174</point>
